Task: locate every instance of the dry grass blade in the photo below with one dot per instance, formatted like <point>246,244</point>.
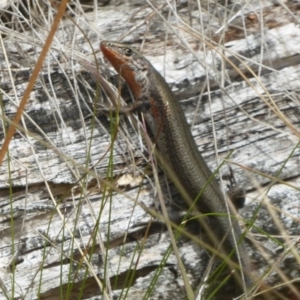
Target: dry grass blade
<point>80,191</point>
<point>35,73</point>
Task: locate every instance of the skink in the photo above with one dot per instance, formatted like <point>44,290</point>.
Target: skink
<point>177,147</point>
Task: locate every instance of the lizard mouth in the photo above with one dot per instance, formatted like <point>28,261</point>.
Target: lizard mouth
<point>112,54</point>
<point>121,63</point>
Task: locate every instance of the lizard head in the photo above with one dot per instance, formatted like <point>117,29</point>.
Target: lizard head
<point>130,64</point>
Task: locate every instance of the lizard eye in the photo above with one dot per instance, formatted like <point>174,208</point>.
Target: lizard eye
<point>128,51</point>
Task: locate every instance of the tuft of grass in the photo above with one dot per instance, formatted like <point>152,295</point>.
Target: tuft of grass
<point>69,221</point>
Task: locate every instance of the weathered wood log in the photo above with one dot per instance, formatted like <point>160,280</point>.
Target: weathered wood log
<point>73,200</point>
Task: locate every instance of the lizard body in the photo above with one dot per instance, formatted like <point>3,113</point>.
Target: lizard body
<point>177,147</point>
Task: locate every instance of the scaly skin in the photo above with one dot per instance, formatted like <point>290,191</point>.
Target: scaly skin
<point>178,149</point>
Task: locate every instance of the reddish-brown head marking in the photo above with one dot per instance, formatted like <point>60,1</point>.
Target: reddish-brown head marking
<point>120,59</point>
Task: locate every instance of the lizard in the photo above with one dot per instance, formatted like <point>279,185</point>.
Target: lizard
<point>177,148</point>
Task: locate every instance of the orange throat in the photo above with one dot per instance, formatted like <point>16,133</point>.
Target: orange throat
<point>121,65</point>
